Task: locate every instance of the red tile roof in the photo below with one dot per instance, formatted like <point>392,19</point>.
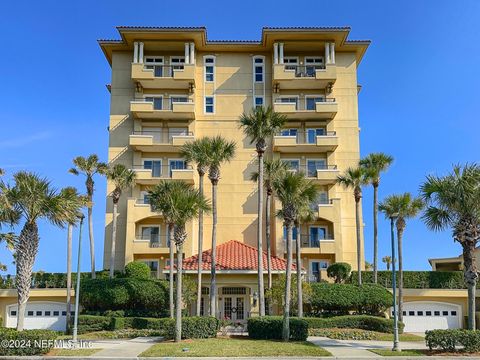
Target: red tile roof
<point>234,255</point>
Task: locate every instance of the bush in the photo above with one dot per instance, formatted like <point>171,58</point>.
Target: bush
<point>342,298</point>
<point>270,327</point>
<point>364,322</point>
<point>137,270</point>
<point>344,334</point>
<point>38,342</point>
<point>339,271</point>
<point>117,323</point>
<point>90,323</point>
<point>133,296</point>
<point>447,340</point>
<point>199,327</point>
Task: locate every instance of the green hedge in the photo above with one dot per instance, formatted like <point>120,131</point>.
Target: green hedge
<point>416,279</point>
<point>270,327</point>
<point>364,322</point>
<point>447,340</point>
<point>138,270</point>
<point>36,342</point>
<point>91,323</point>
<point>343,298</point>
<point>138,297</point>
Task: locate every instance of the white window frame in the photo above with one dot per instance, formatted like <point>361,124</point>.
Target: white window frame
<point>205,64</point>
<point>296,63</point>
<point>176,159</point>
<point>153,159</point>
<point>318,261</point>
<point>154,130</point>
<point>310,96</point>
<point>289,97</point>
<point>315,129</point>
<point>315,159</point>
<point>255,101</point>
<point>170,136</point>
<point>177,96</point>
<point>162,64</point>
<point>205,104</point>
<point>325,227</point>
<point>255,65</point>
<point>156,96</point>
<point>142,197</point>
<point>291,159</point>
<point>159,226</point>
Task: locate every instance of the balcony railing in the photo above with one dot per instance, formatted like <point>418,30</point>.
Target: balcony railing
<point>306,105</point>
<point>307,137</point>
<point>304,70</point>
<point>162,103</point>
<point>311,171</point>
<point>160,137</point>
<point>162,171</point>
<point>162,71</point>
<point>155,240</point>
<point>309,242</point>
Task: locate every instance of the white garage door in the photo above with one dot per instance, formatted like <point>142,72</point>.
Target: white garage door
<point>40,315</point>
<point>427,315</point>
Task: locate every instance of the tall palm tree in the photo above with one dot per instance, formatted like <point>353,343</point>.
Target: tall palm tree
<point>197,152</point>
<point>355,178</point>
<point>293,190</point>
<point>218,151</point>
<point>272,169</point>
<point>387,260</point>
<point>185,204</point>
<point>375,164</point>
<point>404,207</point>
<point>33,198</point>
<point>89,166</point>
<point>259,126</point>
<point>122,178</point>
<point>453,201</point>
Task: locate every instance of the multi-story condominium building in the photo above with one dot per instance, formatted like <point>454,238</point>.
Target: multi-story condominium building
<point>172,85</point>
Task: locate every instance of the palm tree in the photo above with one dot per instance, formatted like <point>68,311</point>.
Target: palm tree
<point>293,190</point>
<point>196,152</point>
<point>33,198</point>
<point>218,151</point>
<point>185,204</point>
<point>387,260</point>
<point>89,166</point>
<point>453,201</point>
<point>403,206</point>
<point>272,169</point>
<point>122,178</point>
<point>259,125</point>
<point>375,164</point>
<point>355,178</point>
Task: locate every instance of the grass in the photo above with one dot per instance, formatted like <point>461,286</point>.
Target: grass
<point>403,337</point>
<point>232,347</point>
<point>72,352</point>
<point>385,352</point>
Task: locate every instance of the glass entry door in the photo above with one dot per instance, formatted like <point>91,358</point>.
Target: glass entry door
<point>234,307</point>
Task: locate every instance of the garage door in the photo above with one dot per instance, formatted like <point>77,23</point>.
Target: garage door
<point>427,315</point>
<point>40,315</point>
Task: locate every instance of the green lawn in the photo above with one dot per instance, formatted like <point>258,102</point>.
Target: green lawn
<point>403,337</point>
<point>234,346</point>
<point>383,352</point>
<point>72,352</point>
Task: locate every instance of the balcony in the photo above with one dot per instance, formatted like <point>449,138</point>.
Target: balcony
<point>322,109</point>
<point>308,77</point>
<point>138,209</point>
<point>150,244</point>
<point>317,246</point>
<point>305,142</point>
<point>329,211</point>
<point>156,141</point>
<point>149,108</point>
<point>180,76</point>
<point>320,174</point>
<point>146,175</point>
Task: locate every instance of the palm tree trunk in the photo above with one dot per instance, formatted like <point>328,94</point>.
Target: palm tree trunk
<point>26,250</point>
<point>375,234</point>
<point>267,236</point>
<point>288,285</point>
<point>114,239</point>
<point>359,244</point>
<point>92,242</point>
<point>200,250</point>
<point>170,277</point>
<point>470,274</point>
<point>400,274</point>
<point>69,276</point>
<point>213,283</point>
<point>299,273</point>
<point>178,315</point>
<point>261,290</point>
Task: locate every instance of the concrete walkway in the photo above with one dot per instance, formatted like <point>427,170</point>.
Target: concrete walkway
<point>359,348</point>
<point>124,348</point>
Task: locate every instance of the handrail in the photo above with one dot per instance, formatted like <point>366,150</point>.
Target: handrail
<point>328,133</point>
<point>302,168</point>
<point>304,70</point>
<point>147,132</point>
<point>143,99</point>
<point>166,166</point>
<point>320,100</point>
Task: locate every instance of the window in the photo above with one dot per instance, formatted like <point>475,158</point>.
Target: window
<point>177,165</point>
<point>288,100</point>
<point>151,233</point>
<point>311,135</point>
<point>38,313</point>
<point>64,313</point>
<point>316,234</point>
<point>153,265</point>
<point>294,233</point>
<point>289,132</point>
<point>411,313</point>
<point>258,101</point>
<point>234,291</point>
<point>177,99</point>
<point>453,313</point>
<point>291,62</point>
<point>209,63</point>
<point>445,313</point>
<point>13,313</point>
<point>154,63</point>
<point>311,101</point>
<point>144,198</point>
<point>316,267</point>
<point>419,313</point>
<point>314,165</point>
<point>48,313</point>
<point>30,313</point>
<point>155,132</point>
<point>56,313</point>
<point>177,132</point>
<point>312,64</point>
<point>404,313</point>
<point>258,69</point>
<point>428,313</point>
<point>209,104</point>
<point>294,165</point>
<point>177,63</point>
<point>156,100</point>
<point>436,313</point>
<point>154,165</point>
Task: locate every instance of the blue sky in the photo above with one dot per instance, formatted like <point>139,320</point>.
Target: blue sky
<point>419,102</point>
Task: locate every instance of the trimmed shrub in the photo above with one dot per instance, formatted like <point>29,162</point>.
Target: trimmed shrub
<point>117,323</point>
<point>447,340</point>
<point>133,296</point>
<point>270,327</point>
<point>342,298</point>
<point>37,342</point>
<point>344,334</point>
<point>364,322</point>
<point>199,327</point>
<point>339,271</point>
<point>90,323</point>
<point>137,270</point>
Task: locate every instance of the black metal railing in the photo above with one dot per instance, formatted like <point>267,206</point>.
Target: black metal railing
<point>163,71</point>
<point>304,70</point>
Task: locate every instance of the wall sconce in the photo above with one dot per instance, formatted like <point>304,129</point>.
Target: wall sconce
<point>255,298</point>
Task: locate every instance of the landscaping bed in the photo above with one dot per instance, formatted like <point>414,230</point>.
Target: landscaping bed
<point>233,347</point>
<point>358,334</point>
<point>72,352</point>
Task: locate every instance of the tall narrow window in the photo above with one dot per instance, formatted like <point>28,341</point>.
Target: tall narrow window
<point>209,63</point>
<point>258,69</point>
<point>209,104</point>
<point>258,101</point>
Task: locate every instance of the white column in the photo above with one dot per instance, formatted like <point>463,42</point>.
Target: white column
<point>275,53</point>
<point>332,52</point>
<point>187,53</point>
<point>192,53</point>
<point>140,59</point>
<point>327,53</point>
<point>135,52</point>
<point>281,53</point>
